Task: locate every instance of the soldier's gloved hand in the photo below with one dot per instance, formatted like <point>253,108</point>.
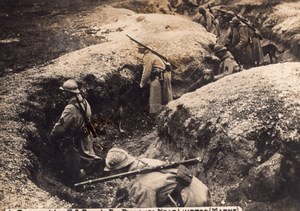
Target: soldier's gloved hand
<point>141,86</point>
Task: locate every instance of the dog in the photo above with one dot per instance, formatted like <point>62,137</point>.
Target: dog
<point>271,50</point>
<point>131,96</point>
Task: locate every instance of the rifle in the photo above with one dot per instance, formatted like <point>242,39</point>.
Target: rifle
<point>223,11</point>
<point>243,20</point>
<point>153,51</point>
<point>86,120</point>
<point>141,171</point>
<point>210,10</point>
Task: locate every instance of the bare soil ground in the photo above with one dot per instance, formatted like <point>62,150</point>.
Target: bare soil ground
<point>31,176</point>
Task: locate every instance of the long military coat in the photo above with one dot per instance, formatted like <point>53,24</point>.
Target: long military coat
<point>210,23</point>
<point>227,66</point>
<point>248,43</point>
<point>71,124</point>
<point>152,189</point>
<point>160,93</point>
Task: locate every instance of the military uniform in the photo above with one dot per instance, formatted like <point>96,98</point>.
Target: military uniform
<point>156,189</point>
<point>227,66</point>
<point>185,5</point>
<point>70,128</point>
<point>160,81</point>
<point>210,23</point>
<point>152,189</point>
<point>247,45</point>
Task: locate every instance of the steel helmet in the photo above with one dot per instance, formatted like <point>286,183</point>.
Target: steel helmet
<point>70,86</point>
<point>235,21</point>
<point>219,48</point>
<point>202,10</point>
<point>117,158</point>
<point>229,14</point>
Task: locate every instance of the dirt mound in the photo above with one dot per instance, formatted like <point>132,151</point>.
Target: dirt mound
<point>246,124</point>
<point>30,101</point>
<point>284,23</point>
<point>183,42</point>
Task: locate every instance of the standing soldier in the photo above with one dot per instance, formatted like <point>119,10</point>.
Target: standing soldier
<point>227,64</point>
<point>246,44</point>
<point>155,73</point>
<point>165,188</point>
<point>225,17</point>
<point>71,129</point>
<point>187,5</point>
<point>209,22</point>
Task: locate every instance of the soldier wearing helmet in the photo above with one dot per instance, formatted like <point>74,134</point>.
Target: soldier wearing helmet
<point>246,44</point>
<point>227,64</point>
<point>159,188</point>
<point>158,78</point>
<point>209,22</point>
<point>70,130</point>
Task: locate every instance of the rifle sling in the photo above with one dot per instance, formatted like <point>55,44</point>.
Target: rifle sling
<point>82,111</point>
<point>176,195</point>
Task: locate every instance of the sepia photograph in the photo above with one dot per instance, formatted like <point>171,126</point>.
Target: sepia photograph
<point>150,105</point>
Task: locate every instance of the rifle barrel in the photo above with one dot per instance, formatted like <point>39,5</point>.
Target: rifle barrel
<point>140,171</point>
<point>152,51</point>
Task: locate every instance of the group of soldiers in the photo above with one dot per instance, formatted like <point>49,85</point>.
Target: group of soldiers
<point>159,188</point>
<point>233,31</point>
<point>240,37</point>
<point>154,189</point>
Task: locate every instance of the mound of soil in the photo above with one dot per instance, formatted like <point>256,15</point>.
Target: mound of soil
<point>30,108</point>
<point>246,125</point>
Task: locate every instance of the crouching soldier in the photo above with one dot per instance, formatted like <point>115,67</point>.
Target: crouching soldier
<point>227,64</point>
<point>70,131</point>
<point>165,188</point>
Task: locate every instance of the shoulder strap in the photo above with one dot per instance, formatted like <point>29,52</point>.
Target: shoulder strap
<point>75,104</point>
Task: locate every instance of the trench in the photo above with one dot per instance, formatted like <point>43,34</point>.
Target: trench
<point>43,108</point>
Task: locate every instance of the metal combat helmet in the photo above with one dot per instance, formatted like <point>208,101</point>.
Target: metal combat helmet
<point>70,86</point>
<point>117,158</point>
<point>219,48</point>
<point>202,10</point>
<point>235,21</point>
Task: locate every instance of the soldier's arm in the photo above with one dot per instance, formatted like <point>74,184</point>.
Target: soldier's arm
<point>244,38</point>
<point>217,77</point>
<point>230,67</point>
<point>147,70</point>
<point>143,196</point>
<point>64,122</point>
<point>222,75</point>
<point>208,22</point>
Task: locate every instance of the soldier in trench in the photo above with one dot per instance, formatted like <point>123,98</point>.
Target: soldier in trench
<point>165,188</point>
<point>155,74</point>
<point>245,44</point>
<point>209,22</point>
<point>227,63</point>
<point>71,134</point>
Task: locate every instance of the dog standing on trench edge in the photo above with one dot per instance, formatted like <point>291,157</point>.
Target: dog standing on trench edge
<point>271,50</point>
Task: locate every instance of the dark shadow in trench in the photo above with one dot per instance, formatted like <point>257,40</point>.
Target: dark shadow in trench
<point>44,107</point>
